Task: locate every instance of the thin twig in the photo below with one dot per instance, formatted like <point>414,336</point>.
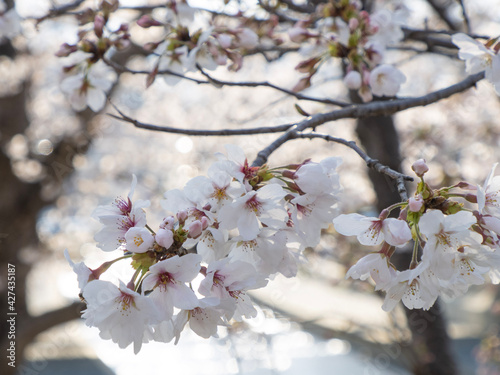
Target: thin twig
<point>193,132</point>
<point>374,164</point>
<point>466,17</point>
<point>59,11</point>
<point>442,11</point>
<point>219,83</point>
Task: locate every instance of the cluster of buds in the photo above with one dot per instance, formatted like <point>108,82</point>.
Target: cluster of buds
<point>184,50</point>
<point>227,233</point>
<point>341,29</point>
<point>455,246</point>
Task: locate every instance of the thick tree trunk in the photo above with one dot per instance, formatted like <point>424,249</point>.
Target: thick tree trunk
<point>430,341</point>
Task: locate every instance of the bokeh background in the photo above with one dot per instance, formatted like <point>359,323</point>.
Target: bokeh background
<point>58,165</point>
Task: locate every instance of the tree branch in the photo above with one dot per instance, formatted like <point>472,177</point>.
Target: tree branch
<point>194,132</point>
<point>299,96</point>
<point>370,162</point>
<point>382,108</point>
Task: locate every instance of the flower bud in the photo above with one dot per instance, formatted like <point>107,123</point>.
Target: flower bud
<point>420,167</point>
<point>164,238</point>
<point>99,23</point>
<point>66,50</point>
<point>298,34</point>
<point>247,38</point>
<point>352,80</point>
<point>195,229</point>
<point>204,222</point>
<point>168,223</point>
<point>353,24</point>
<point>415,203</point>
<point>225,40</point>
<point>147,21</point>
<point>182,216</point>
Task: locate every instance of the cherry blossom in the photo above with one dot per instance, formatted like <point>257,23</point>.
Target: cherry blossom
<point>121,314</point>
<point>412,288</point>
<point>478,58</point>
<point>83,273</point>
<point>166,282</point>
<point>118,218</point>
<point>88,87</point>
<point>373,231</point>
<point>385,80</point>
<point>139,240</point>
<point>378,267</point>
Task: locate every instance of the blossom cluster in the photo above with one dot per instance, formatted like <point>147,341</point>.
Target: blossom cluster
<point>454,245</point>
<point>480,57</point>
<point>342,30</point>
<point>227,233</point>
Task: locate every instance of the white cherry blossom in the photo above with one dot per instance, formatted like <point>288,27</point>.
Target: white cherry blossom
<point>83,273</point>
<point>139,240</point>
<point>478,57</point>
<point>372,231</point>
<point>377,266</point>
<point>88,87</point>
<point>121,314</point>
<point>255,207</point>
<point>118,218</point>
<point>167,282</point>
<point>413,288</point>
<point>385,80</point>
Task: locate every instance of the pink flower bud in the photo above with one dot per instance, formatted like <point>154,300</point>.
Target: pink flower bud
<point>66,50</point>
<point>204,222</point>
<point>353,24</point>
<point>298,34</point>
<point>225,40</point>
<point>182,216</point>
<point>99,23</point>
<point>147,21</point>
<point>415,203</point>
<point>247,38</point>
<point>164,238</point>
<point>168,223</point>
<point>420,167</point>
<point>195,229</point>
<point>352,80</point>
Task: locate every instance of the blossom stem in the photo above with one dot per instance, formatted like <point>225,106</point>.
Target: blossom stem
<point>151,230</point>
<point>413,263</point>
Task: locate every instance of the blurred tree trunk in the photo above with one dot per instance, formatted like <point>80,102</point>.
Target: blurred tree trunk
<point>20,205</point>
<point>430,341</point>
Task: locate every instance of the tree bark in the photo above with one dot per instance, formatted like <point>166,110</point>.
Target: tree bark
<point>430,341</point>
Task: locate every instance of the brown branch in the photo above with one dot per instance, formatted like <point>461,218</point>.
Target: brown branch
<point>466,17</point>
<point>370,162</point>
<point>60,11</point>
<point>194,132</point>
<point>299,96</point>
<point>442,11</point>
<point>302,8</point>
<point>382,108</point>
